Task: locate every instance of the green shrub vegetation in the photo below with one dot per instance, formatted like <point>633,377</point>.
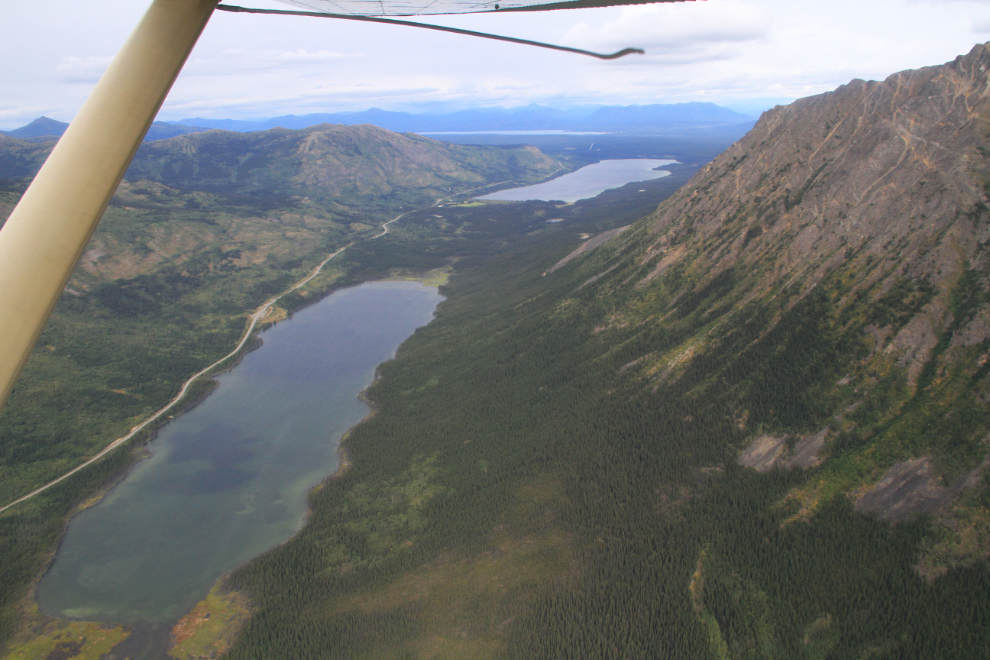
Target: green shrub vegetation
<point>551,470</point>
<point>164,290</point>
<point>527,490</point>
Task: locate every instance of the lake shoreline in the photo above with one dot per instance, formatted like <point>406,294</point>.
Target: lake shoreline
<point>344,461</point>
<point>586,182</point>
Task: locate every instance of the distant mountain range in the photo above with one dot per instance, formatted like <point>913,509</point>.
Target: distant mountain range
<point>642,119</point>
<point>43,129</point>
<point>657,119</point>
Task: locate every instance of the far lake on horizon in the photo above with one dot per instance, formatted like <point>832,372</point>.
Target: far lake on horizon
<point>515,132</point>
<point>228,480</point>
<point>587,182</point>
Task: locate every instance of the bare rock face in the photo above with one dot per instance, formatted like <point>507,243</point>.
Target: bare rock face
<point>909,486</point>
<point>764,453</point>
<point>832,267</point>
<point>912,487</point>
<point>589,245</point>
<point>887,175</point>
<point>767,451</point>
<point>878,196</point>
<point>806,451</point>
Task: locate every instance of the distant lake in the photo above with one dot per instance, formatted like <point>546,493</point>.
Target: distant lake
<point>228,480</point>
<point>587,181</point>
<point>511,133</point>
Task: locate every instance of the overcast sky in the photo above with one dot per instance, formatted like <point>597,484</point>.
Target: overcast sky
<point>745,54</point>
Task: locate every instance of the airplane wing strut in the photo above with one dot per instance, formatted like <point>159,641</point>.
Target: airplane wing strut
<point>48,230</point>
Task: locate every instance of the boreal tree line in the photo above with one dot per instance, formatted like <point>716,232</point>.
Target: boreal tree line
<point>669,548</point>
<point>119,351</point>
<point>526,490</point>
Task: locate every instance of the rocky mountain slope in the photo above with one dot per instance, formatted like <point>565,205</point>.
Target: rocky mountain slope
<point>750,425</point>
<point>832,271</point>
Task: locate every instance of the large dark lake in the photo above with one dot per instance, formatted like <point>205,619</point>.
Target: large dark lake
<point>228,480</point>
<point>588,181</point>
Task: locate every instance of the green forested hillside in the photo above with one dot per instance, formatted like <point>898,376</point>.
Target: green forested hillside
<point>519,494</point>
<point>165,287</point>
<point>345,164</point>
<point>752,425</point>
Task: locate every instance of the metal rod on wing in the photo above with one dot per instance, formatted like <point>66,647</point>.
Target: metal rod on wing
<point>427,26</point>
<point>46,234</point>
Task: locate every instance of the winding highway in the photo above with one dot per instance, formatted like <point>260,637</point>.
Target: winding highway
<point>257,316</point>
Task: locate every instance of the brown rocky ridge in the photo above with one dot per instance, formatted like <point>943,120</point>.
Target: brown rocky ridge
<point>863,212</point>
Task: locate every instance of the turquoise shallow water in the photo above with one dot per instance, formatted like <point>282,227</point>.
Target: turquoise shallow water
<point>588,181</point>
<point>228,480</point>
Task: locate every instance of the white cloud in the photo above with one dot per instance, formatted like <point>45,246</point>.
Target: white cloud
<point>82,69</point>
<point>52,51</point>
<point>678,33</point>
<point>302,57</point>
<point>237,61</point>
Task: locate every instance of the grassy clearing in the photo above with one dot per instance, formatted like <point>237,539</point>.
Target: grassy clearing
<point>210,627</point>
<point>960,542</point>
<point>436,277</point>
<point>464,603</point>
<point>45,637</point>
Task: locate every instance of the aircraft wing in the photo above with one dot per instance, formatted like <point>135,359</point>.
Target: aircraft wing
<point>435,7</point>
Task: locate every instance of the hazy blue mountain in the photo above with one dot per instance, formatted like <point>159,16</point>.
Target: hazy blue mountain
<point>46,129</point>
<point>40,127</point>
<point>648,119</point>
<point>161,130</point>
<point>238,125</point>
